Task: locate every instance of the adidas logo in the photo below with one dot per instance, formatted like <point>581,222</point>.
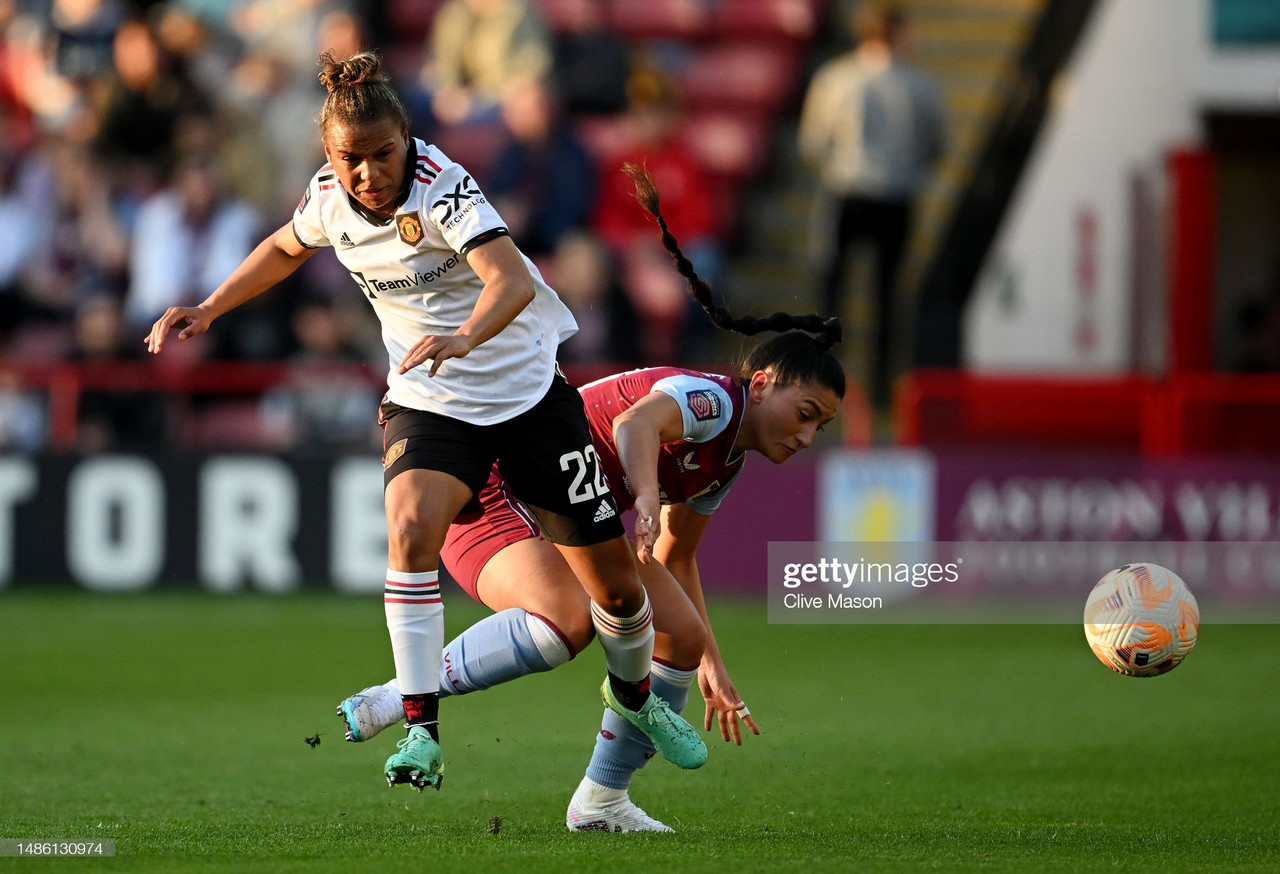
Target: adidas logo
<point>604,511</point>
<point>345,240</point>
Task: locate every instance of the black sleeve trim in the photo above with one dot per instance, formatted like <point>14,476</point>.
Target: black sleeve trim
<point>486,237</point>
<point>293,227</point>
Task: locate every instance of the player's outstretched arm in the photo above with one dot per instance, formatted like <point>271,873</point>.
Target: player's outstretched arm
<point>678,551</point>
<point>638,434</point>
<point>274,259</point>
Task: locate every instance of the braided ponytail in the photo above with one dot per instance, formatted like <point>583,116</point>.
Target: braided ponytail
<point>794,357</point>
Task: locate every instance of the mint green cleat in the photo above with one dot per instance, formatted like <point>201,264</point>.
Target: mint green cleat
<point>672,737</point>
<point>420,763</point>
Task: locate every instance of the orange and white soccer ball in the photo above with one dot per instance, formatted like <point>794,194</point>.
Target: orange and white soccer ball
<point>1141,620</point>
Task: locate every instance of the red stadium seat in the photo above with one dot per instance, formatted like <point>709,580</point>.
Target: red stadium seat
<point>745,75</point>
<point>571,15</point>
<point>410,20</point>
<point>734,145</point>
<point>658,19</point>
<point>755,19</point>
<point>474,145</point>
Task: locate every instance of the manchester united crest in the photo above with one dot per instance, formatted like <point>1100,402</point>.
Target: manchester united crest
<point>410,227</point>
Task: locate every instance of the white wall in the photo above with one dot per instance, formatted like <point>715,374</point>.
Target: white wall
<point>1133,92</point>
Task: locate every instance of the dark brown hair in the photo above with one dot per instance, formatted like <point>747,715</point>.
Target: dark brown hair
<point>360,92</point>
<point>794,357</point>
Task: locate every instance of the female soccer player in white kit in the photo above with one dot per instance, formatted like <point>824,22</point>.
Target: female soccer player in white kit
<point>471,330</point>
<point>671,441</point>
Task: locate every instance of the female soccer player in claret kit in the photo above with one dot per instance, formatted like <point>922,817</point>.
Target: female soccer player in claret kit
<point>472,331</point>
<point>671,441</point>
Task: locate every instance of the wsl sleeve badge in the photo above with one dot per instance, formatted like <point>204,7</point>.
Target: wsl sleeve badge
<point>409,226</point>
<point>703,403</point>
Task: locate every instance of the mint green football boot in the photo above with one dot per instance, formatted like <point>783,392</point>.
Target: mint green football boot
<point>673,738</point>
<point>420,763</point>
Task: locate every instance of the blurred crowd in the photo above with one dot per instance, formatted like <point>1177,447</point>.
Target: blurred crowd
<point>146,147</point>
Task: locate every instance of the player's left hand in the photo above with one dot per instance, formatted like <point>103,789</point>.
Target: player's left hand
<point>437,350</point>
<point>724,703</point>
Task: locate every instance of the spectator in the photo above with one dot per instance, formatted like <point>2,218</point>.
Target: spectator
<point>872,126</point>
<point>543,182</point>
<point>145,101</point>
<point>587,279</point>
<point>591,61</point>
<point>122,419</point>
<point>187,239</point>
<point>476,48</point>
<point>651,139</point>
<point>61,241</point>
<point>324,405</point>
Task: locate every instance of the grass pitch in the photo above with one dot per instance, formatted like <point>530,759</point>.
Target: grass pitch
<point>175,725</point>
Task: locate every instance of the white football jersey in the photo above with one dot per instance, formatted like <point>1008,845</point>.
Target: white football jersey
<point>413,269</point>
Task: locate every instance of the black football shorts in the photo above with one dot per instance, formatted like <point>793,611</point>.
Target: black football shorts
<point>545,454</point>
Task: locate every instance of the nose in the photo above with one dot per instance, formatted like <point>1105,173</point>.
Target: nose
<point>805,437</point>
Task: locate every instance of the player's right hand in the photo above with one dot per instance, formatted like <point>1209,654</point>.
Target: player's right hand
<point>648,525</point>
<point>189,321</point>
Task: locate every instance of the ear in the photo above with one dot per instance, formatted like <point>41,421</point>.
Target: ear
<point>759,385</point>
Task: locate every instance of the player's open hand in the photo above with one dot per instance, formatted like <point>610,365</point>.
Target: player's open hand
<point>437,350</point>
<point>724,704</point>
<point>187,321</point>
<point>648,526</point>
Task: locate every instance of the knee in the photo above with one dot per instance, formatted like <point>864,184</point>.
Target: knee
<point>578,633</point>
<point>681,642</point>
<point>410,541</point>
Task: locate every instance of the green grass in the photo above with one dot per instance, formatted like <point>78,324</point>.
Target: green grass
<point>174,724</point>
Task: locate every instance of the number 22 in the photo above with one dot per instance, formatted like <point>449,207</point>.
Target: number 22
<point>584,480</point>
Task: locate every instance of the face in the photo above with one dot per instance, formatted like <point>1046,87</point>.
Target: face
<point>781,420</point>
<point>369,160</point>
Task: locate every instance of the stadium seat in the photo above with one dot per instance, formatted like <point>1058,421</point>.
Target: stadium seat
<point>602,136</point>
<point>658,19</point>
<point>768,19</point>
<point>410,20</point>
<point>568,15</point>
<point>734,145</point>
<point>742,75</point>
<point>474,145</point>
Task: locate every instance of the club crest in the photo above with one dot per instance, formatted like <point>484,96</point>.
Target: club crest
<point>394,451</point>
<point>410,227</point>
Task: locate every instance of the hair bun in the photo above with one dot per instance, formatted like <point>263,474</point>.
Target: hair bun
<point>359,69</point>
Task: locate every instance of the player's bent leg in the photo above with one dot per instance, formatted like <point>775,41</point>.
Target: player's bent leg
<point>679,632</point>
<point>628,645</point>
<point>597,808</point>
<point>621,749</point>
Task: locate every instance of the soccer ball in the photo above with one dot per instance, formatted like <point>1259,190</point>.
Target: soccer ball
<point>1141,620</point>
